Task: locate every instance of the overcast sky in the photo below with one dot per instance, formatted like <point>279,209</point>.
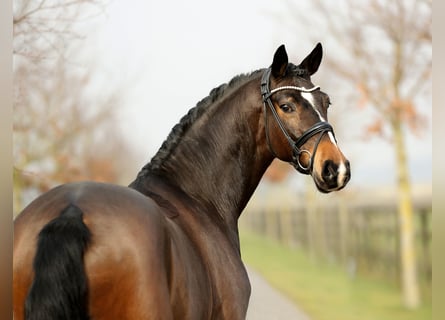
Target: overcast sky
<point>168,55</point>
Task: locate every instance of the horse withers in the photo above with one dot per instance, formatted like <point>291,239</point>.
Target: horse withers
<point>167,246</point>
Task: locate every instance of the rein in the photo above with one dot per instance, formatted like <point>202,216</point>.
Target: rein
<point>320,127</point>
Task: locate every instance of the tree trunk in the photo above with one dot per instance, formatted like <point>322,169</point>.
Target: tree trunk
<point>407,251</point>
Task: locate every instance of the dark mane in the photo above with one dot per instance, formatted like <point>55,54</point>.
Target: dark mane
<point>180,129</point>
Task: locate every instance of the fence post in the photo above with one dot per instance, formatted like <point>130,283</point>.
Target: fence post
<point>286,225</point>
<point>311,218</point>
<point>425,244</point>
<point>344,230</point>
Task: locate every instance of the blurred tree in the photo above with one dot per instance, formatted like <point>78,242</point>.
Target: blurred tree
<point>43,29</point>
<point>63,123</point>
<point>384,49</point>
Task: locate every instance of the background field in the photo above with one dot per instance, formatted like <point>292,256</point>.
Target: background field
<point>325,291</point>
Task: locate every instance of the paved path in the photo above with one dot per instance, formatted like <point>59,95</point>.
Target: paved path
<point>266,303</point>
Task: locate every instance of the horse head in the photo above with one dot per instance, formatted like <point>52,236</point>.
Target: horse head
<point>295,113</point>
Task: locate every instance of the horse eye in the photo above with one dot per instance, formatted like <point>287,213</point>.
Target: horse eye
<point>286,108</point>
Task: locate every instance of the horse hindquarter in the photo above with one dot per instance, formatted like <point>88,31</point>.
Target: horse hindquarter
<point>124,262</point>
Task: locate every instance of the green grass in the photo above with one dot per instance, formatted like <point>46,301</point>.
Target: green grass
<point>325,292</point>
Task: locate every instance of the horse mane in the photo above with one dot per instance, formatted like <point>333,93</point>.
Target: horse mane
<point>179,130</point>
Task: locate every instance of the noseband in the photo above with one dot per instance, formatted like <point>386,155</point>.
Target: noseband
<point>320,127</point>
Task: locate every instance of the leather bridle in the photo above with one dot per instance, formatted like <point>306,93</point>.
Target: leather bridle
<point>321,127</point>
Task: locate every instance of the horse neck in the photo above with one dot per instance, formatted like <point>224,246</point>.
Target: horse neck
<point>221,158</point>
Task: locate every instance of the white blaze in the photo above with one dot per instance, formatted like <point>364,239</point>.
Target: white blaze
<point>309,97</point>
<point>342,170</point>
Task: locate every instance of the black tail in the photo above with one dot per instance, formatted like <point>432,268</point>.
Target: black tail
<point>59,289</point>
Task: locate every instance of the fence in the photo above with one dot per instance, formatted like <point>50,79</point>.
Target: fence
<point>364,238</point>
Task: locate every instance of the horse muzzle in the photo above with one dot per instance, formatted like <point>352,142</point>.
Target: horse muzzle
<point>333,176</point>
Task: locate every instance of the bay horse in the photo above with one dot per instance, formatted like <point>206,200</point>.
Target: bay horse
<point>167,246</point>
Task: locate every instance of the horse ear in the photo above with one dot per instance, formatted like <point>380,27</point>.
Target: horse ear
<point>313,60</point>
<point>280,61</point>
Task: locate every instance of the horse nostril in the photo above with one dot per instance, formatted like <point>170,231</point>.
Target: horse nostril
<point>347,174</point>
<point>330,173</point>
